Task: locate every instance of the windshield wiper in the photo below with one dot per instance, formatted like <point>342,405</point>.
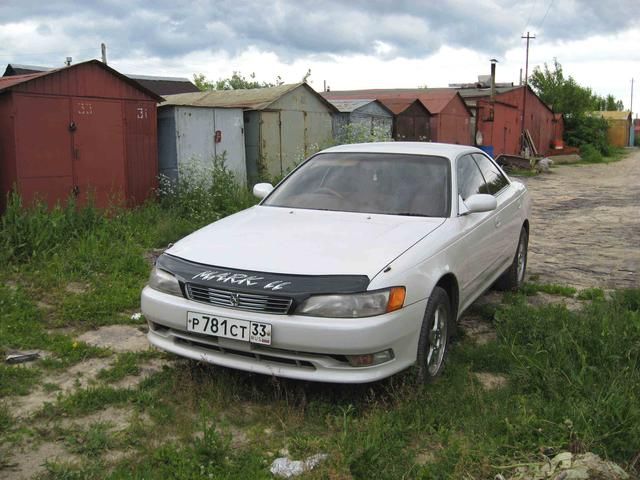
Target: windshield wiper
<point>409,214</point>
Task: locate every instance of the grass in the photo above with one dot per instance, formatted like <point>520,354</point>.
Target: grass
<point>572,378</point>
<point>126,364</point>
<point>93,442</point>
<point>589,154</point>
<point>532,288</point>
<point>591,294</point>
<point>573,383</point>
<point>522,172</point>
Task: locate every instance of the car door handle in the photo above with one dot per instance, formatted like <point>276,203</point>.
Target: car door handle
<point>497,222</point>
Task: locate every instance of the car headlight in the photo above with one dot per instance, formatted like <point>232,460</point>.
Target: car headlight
<point>353,305</point>
<point>163,281</point>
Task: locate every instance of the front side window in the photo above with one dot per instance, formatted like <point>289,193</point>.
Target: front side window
<point>496,181</point>
<point>470,179</point>
<point>384,183</point>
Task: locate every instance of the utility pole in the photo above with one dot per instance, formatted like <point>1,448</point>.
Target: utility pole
<point>631,133</point>
<point>103,47</point>
<point>524,89</point>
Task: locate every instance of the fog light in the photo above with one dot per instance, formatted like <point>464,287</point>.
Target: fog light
<point>370,359</point>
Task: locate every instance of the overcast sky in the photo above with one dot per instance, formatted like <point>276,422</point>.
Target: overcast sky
<point>350,44</point>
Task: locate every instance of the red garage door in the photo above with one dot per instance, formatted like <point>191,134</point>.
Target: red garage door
<point>43,148</point>
<point>98,150</point>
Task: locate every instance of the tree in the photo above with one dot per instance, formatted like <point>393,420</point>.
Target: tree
<point>237,81</point>
<point>565,95</point>
<point>562,94</point>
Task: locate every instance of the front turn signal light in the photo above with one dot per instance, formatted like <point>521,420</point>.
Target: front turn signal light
<point>396,299</point>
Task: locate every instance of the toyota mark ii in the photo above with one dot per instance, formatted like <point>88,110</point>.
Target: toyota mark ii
<point>355,267</point>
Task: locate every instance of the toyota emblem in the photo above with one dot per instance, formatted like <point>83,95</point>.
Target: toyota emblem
<point>235,299</point>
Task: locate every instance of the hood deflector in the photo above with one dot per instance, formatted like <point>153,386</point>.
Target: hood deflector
<point>298,287</point>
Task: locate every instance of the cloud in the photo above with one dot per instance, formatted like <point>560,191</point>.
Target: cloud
<point>294,28</point>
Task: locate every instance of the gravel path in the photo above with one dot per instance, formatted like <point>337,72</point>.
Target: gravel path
<point>585,225</point>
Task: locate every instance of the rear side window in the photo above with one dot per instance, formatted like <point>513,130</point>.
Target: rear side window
<point>470,179</point>
<point>496,181</point>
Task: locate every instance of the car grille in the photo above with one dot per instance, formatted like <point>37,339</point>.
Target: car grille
<point>239,300</point>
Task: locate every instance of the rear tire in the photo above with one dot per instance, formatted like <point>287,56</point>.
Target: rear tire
<point>435,334</point>
<point>513,278</point>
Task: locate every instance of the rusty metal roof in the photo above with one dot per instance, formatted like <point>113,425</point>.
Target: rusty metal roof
<point>248,99</point>
<point>165,85</point>
<point>158,85</point>
<point>614,115</point>
<point>12,80</point>
<point>399,105</point>
<point>17,69</point>
<point>350,105</point>
<point>434,100</point>
<point>483,92</point>
<point>6,83</point>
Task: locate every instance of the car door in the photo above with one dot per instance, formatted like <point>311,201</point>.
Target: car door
<point>476,249</point>
<point>506,218</point>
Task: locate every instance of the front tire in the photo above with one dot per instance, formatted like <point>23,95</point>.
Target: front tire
<point>513,278</point>
<point>434,336</point>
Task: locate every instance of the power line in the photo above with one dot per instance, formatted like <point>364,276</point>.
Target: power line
<point>545,15</point>
<point>533,6</point>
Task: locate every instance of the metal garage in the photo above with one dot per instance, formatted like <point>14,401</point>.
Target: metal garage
<point>190,134</point>
<point>83,130</point>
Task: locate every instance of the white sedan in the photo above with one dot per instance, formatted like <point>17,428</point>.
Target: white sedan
<point>355,267</point>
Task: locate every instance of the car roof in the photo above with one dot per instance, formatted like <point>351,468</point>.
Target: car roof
<point>416,148</point>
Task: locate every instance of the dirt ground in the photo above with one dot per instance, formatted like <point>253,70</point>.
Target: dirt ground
<point>585,225</point>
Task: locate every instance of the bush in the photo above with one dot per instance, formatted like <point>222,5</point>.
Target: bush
<point>206,193</point>
<point>362,133</point>
<point>590,154</point>
<point>586,130</point>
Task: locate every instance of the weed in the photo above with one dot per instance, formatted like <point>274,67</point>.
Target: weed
<point>126,364</point>
<point>204,193</point>
<point>590,154</point>
<point>591,294</point>
<point>35,231</point>
<point>92,442</point>
<point>88,400</point>
<point>521,172</point>
<point>628,298</point>
<point>22,327</point>
<point>531,288</point>
<point>6,420</point>
<point>17,379</point>
<point>363,133</point>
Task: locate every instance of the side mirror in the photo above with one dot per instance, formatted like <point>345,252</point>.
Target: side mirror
<point>480,202</point>
<point>261,190</point>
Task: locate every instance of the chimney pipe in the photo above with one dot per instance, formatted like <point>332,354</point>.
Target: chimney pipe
<point>493,79</point>
<point>68,61</point>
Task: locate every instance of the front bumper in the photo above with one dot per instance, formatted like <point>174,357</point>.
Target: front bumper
<point>302,347</point>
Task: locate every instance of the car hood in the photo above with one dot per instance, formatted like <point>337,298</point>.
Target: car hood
<point>304,242</point>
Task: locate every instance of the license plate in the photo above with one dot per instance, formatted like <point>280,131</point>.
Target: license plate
<point>244,330</point>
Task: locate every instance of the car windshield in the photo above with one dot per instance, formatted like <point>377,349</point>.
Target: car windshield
<point>393,184</point>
